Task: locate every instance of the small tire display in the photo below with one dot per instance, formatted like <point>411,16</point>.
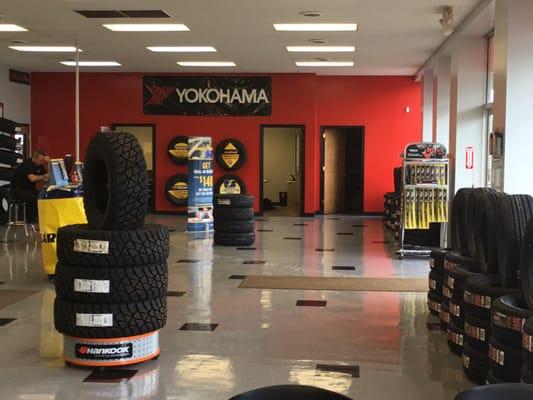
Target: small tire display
<point>230,154</point>
<point>178,150</point>
<point>230,184</point>
<point>177,190</point>
<point>7,142</point>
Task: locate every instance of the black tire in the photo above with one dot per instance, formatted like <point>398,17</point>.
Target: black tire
<point>6,174</point>
<point>444,315</point>
<point>148,245</point>
<point>8,142</point>
<point>237,154</point>
<point>128,319</point>
<point>458,221</point>
<point>434,303</point>
<point>527,375</point>
<point>481,291</point>
<point>230,184</point>
<point>453,259</point>
<point>177,190</point>
<point>4,204</point>
<point>516,211</point>
<point>457,312</point>
<point>475,201</point>
<point>9,157</point>
<point>477,333</point>
<point>233,214</point>
<point>509,314</point>
<point>124,284</point>
<point>178,150</point>
<point>234,226</point>
<point>234,239</point>
<point>527,343</point>
<point>115,182</point>
<point>455,338</point>
<point>456,276</point>
<point>526,265</point>
<point>475,364</point>
<point>435,281</point>
<point>505,361</point>
<point>233,201</point>
<point>437,260</point>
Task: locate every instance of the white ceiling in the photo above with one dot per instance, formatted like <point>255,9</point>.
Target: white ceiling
<point>395,37</point>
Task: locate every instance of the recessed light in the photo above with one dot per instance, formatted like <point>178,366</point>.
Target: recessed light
<point>312,14</point>
<point>46,49</point>
<point>147,27</point>
<point>207,64</point>
<point>315,27</point>
<point>12,28</point>
<point>325,63</point>
<point>320,49</point>
<point>92,63</point>
<point>182,49</point>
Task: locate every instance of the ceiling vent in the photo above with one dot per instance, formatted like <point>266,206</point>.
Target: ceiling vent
<point>311,14</point>
<point>123,13</point>
<point>318,41</point>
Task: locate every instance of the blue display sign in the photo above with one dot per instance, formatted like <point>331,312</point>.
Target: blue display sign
<point>200,203</point>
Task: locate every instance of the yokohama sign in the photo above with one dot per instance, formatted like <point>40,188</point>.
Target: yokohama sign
<point>204,95</point>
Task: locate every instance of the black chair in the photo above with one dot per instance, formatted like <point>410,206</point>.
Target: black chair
<point>504,391</point>
<point>289,392</point>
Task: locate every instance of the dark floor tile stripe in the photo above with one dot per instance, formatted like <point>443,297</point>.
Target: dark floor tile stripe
<point>201,327</point>
<point>359,226</point>
<point>172,230</point>
<point>311,303</point>
<point>292,238</point>
<point>433,326</point>
<point>110,375</point>
<point>352,370</point>
<point>175,294</point>
<point>345,233</point>
<point>5,321</point>
<point>323,250</point>
<point>301,224</point>
<point>381,241</point>
<point>238,277</point>
<point>343,268</point>
<point>185,261</point>
<point>262,219</point>
<point>254,262</point>
<point>246,248</point>
<point>265,230</point>
<point>332,219</point>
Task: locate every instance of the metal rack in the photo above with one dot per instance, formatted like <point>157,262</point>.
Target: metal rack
<point>422,155</point>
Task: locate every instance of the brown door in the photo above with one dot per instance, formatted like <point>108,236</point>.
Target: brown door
<point>334,171</point>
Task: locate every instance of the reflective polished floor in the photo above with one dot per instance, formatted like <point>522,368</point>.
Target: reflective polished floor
<point>366,345</point>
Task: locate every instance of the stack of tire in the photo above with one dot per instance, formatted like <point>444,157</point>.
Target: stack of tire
<point>526,278</point>
<point>111,277</point>
<point>234,220</point>
<point>8,161</point>
<point>435,282</point>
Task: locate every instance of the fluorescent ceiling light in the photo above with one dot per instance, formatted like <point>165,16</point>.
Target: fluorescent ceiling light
<point>325,63</point>
<point>182,49</point>
<point>147,27</point>
<point>46,49</point>
<point>92,63</point>
<point>12,28</point>
<point>207,64</point>
<point>315,27</point>
<point>321,49</point>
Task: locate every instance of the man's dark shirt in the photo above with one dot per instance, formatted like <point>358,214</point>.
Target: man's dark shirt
<point>21,181</point>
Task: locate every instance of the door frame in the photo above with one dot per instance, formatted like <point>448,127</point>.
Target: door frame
<point>323,157</point>
<point>262,128</point>
<point>154,153</point>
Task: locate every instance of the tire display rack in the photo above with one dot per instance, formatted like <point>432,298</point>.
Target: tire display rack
<point>424,194</point>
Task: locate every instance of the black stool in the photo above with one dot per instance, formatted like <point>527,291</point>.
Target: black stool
<point>290,392</point>
<point>16,213</point>
<point>511,391</point>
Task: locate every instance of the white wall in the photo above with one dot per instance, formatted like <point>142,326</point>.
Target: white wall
<point>15,97</point>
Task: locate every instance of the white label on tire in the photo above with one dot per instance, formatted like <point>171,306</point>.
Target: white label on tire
<point>527,342</point>
<point>432,284</point>
<point>466,361</point>
<point>475,332</point>
<point>431,263</point>
<point>91,246</point>
<point>94,320</point>
<point>497,356</point>
<point>91,286</point>
<point>451,282</point>
<point>455,309</point>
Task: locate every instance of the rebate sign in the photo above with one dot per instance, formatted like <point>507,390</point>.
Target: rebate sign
<point>200,204</point>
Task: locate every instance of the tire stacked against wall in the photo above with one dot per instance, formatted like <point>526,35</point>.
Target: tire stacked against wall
<point>9,159</point>
<point>111,278</point>
<point>393,204</point>
<point>526,278</point>
<point>234,220</point>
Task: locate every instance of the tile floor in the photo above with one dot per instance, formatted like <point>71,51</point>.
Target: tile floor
<point>366,345</point>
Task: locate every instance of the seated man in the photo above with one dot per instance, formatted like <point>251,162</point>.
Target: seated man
<point>28,180</point>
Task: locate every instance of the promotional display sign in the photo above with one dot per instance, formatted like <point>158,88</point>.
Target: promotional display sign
<point>207,95</point>
<point>425,151</point>
<point>200,206</point>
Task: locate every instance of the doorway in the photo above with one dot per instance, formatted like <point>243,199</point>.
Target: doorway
<point>342,170</point>
<point>145,134</point>
<point>282,150</point>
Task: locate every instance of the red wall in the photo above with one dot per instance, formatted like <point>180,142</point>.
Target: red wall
<point>378,103</point>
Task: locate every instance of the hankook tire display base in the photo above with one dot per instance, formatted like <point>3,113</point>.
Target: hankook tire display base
<point>111,352</point>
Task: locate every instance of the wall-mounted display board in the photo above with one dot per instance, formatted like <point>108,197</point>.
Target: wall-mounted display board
<point>177,190</point>
<point>230,184</point>
<point>178,150</point>
<point>230,154</point>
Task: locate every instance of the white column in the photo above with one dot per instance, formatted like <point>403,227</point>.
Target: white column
<point>427,122</point>
<point>513,105</point>
<point>467,114</point>
<point>442,133</point>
